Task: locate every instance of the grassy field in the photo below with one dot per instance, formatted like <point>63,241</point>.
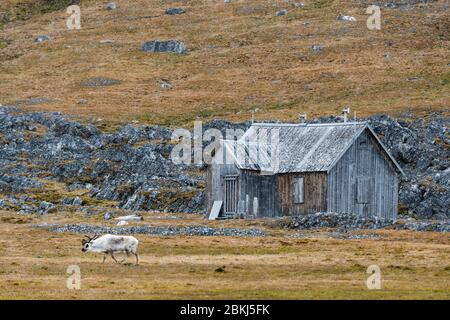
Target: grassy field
<point>241,57</point>
<point>33,264</point>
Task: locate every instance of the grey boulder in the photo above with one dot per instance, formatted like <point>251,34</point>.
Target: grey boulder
<point>173,46</point>
<point>42,38</point>
<point>174,11</point>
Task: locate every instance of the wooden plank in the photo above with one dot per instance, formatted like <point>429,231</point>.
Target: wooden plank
<point>215,211</point>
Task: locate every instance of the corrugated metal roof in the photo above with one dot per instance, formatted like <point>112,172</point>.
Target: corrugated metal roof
<point>300,148</point>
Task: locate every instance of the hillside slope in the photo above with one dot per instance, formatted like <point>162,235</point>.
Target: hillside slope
<point>241,56</point>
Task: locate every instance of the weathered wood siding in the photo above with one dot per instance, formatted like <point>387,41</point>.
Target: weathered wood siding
<point>264,187</point>
<point>364,168</point>
<point>214,182</point>
<point>315,193</point>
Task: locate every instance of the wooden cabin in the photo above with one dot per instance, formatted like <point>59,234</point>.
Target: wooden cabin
<point>336,167</point>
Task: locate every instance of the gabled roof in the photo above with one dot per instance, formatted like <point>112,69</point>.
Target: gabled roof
<point>304,147</point>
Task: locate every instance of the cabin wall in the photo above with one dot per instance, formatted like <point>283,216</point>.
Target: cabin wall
<point>214,182</point>
<point>364,181</point>
<point>315,193</point>
<point>263,187</point>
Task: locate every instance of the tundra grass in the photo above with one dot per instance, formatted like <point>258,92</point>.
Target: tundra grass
<point>34,261</point>
<point>239,59</point>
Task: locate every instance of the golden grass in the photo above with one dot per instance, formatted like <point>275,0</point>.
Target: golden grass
<point>237,61</point>
<point>33,264</point>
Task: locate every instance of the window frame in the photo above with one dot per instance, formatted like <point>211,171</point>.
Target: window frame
<point>298,190</point>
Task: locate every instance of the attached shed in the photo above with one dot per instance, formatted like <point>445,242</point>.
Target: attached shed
<point>336,167</point>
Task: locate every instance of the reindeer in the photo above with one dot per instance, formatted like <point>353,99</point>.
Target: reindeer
<point>109,244</point>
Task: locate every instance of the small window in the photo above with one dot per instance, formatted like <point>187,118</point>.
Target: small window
<point>363,144</point>
<point>299,190</point>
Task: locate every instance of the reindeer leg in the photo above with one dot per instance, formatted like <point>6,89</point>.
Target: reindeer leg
<point>114,258</point>
<point>137,258</point>
<point>104,258</point>
<point>125,258</point>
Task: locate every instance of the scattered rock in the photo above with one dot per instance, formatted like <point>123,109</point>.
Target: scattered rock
<point>160,230</point>
<point>298,5</point>
<point>346,18</point>
<point>174,11</point>
<point>83,101</point>
<point>100,82</point>
<point>32,101</point>
<point>344,222</point>
<point>111,6</point>
<point>415,78</point>
<point>282,12</point>
<point>76,201</point>
<point>122,223</point>
<point>173,46</point>
<point>165,84</point>
<point>46,207</point>
<point>107,216</point>
<point>316,48</point>
<point>3,204</point>
<point>328,75</point>
<point>42,38</point>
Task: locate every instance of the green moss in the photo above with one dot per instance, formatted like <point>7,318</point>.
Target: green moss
<point>89,201</point>
<point>48,195</point>
<point>445,80</point>
<point>109,127</point>
<point>167,197</point>
<point>4,43</point>
<point>25,11</point>
<point>323,3</point>
<point>125,189</point>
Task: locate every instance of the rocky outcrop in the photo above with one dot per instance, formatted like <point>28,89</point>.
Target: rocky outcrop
<point>133,167</point>
<point>344,222</point>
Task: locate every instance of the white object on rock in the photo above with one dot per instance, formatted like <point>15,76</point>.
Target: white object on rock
<point>130,218</point>
<point>122,223</point>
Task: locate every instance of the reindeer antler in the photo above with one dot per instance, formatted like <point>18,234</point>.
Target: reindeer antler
<point>89,239</point>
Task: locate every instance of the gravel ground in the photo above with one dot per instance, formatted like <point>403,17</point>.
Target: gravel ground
<point>343,222</point>
<point>335,235</point>
<point>163,231</point>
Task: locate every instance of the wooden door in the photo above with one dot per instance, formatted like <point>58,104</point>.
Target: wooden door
<point>231,195</point>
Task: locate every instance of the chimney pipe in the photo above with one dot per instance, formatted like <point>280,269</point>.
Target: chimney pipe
<point>345,111</point>
<point>253,114</point>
